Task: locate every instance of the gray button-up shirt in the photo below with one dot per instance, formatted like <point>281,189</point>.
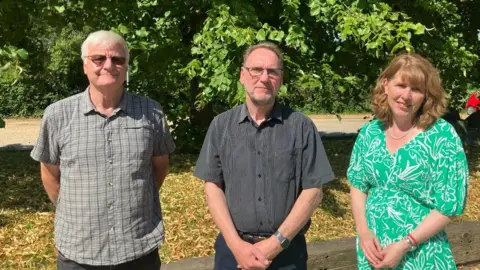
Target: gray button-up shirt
<point>263,168</point>
<point>108,209</point>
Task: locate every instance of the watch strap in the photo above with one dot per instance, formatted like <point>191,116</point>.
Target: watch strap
<point>284,242</point>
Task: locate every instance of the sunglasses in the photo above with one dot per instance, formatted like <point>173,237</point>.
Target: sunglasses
<point>100,59</point>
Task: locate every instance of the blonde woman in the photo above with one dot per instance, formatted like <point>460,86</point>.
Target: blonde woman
<point>408,172</point>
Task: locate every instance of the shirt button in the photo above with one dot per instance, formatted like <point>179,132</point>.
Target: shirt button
<point>258,152</point>
<point>261,223</point>
<point>111,184</point>
<point>259,176</point>
<point>259,199</point>
<point>110,161</point>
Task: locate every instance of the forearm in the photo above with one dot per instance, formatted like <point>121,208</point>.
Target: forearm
<point>160,176</point>
<point>432,224</point>
<point>301,212</point>
<point>50,175</point>
<point>359,199</point>
<point>160,169</point>
<point>217,205</point>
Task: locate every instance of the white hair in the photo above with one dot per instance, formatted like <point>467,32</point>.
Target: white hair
<point>107,37</point>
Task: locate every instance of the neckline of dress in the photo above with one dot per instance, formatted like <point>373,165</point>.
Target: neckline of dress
<point>421,133</point>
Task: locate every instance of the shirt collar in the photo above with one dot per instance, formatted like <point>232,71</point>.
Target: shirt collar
<point>276,113</point>
<point>125,104</point>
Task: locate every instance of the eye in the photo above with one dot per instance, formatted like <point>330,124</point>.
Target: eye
<point>98,59</point>
<point>257,69</point>
<point>416,89</point>
<point>117,60</point>
<point>273,71</point>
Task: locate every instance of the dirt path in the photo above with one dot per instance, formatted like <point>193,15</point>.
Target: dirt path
<point>22,133</point>
<point>19,132</point>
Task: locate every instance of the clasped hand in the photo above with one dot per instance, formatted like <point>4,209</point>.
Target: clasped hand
<point>389,257</point>
<point>257,256</point>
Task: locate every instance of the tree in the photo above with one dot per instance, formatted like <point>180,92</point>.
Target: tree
<point>187,54</point>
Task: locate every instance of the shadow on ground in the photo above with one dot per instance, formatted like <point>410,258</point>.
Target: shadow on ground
<point>21,187</point>
<point>16,147</point>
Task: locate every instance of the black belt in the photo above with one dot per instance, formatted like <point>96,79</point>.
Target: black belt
<point>253,238</point>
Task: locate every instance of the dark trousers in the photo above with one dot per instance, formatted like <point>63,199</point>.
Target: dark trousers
<point>293,258</point>
<point>151,261</point>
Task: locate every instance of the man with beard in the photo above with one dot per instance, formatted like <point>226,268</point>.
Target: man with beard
<point>264,166</point>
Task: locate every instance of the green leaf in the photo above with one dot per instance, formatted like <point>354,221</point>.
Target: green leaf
<point>350,79</point>
<point>420,29</point>
<point>22,54</point>
<point>276,35</point>
<point>315,10</point>
<point>261,35</point>
<point>142,32</point>
<point>339,117</point>
<point>123,29</point>
<point>60,9</point>
<point>167,13</point>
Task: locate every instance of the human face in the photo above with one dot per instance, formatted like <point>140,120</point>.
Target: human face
<point>403,99</point>
<point>262,89</point>
<point>107,74</point>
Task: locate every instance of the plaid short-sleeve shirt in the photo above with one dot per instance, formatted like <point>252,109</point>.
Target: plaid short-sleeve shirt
<point>108,210</point>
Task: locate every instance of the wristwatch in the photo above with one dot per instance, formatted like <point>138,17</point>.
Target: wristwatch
<point>284,242</point>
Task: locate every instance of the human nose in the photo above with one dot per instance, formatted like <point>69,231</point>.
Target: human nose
<point>264,76</point>
<point>108,63</point>
<point>407,93</point>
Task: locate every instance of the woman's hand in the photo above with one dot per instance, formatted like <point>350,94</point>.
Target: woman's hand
<point>371,247</point>
<point>392,254</point>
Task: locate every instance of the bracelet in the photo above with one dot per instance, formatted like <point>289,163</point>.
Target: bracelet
<point>410,243</point>
<point>415,243</point>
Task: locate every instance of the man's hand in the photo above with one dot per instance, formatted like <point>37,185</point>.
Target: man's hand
<point>371,247</point>
<point>392,254</point>
<point>249,257</point>
<point>270,247</point>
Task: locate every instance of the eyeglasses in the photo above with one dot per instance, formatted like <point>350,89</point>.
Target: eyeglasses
<point>100,59</point>
<point>256,72</point>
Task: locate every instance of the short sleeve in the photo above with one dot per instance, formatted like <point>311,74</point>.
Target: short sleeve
<point>47,148</point>
<point>356,171</point>
<point>209,166</point>
<point>451,181</point>
<point>316,169</point>
<point>163,144</point>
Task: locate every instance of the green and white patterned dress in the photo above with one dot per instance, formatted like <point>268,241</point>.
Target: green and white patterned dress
<point>428,172</point>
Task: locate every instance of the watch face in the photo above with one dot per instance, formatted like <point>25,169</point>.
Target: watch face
<point>285,243</point>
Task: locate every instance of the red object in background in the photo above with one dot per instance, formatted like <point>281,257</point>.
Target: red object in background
<point>473,103</point>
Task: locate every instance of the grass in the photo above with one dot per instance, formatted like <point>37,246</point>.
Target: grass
<point>26,216</point>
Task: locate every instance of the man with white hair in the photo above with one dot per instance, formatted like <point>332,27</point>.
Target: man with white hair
<point>104,154</point>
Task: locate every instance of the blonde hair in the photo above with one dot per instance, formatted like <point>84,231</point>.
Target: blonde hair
<point>265,45</point>
<point>419,72</point>
<point>107,37</point>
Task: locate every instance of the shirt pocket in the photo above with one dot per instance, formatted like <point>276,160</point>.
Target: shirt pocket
<point>138,141</point>
<point>285,164</point>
